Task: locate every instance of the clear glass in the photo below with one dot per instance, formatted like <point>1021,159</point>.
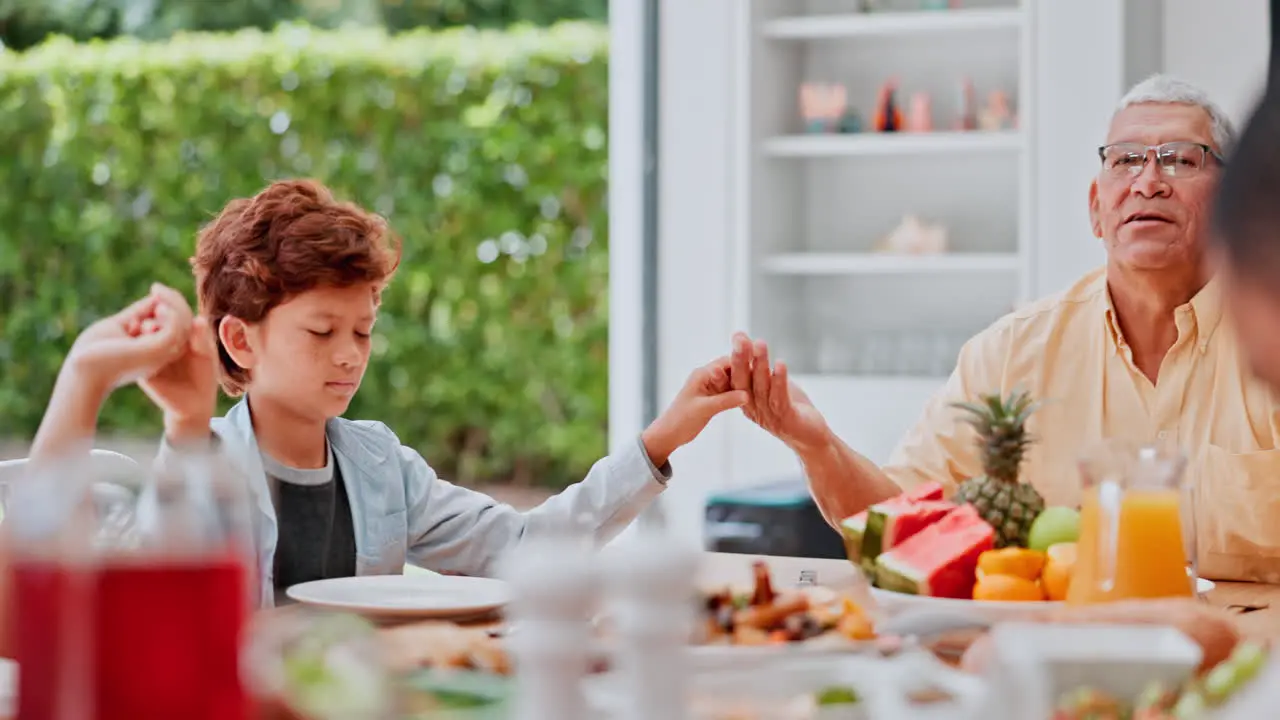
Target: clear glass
<point>1135,525</point>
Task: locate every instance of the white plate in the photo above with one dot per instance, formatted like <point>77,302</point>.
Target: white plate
<point>991,610</point>
<point>418,596</point>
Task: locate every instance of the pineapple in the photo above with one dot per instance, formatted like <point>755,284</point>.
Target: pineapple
<point>1008,505</point>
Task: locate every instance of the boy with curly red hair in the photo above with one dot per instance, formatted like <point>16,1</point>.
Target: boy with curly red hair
<point>290,281</point>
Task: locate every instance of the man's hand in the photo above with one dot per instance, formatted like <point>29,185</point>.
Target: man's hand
<point>775,404</point>
<point>128,346</point>
<point>707,393</point>
<point>186,388</point>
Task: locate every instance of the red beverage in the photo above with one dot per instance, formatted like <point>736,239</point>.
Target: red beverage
<point>44,597</point>
<point>168,639</point>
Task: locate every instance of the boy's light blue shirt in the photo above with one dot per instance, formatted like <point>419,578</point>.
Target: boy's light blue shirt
<point>404,512</point>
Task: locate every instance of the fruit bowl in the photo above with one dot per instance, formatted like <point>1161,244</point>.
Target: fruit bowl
<point>985,610</point>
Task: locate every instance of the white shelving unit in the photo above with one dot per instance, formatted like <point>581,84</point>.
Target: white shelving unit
<point>872,335</point>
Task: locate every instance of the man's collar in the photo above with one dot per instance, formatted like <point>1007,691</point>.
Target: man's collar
<point>1205,308</point>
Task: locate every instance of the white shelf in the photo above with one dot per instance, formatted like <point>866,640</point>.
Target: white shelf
<point>892,23</point>
<point>888,264</point>
<point>895,143</point>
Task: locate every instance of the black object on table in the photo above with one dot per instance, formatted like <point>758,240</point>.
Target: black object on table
<point>777,518</point>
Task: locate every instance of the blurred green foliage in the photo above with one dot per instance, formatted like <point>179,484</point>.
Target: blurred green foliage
<point>27,22</point>
<point>487,151</point>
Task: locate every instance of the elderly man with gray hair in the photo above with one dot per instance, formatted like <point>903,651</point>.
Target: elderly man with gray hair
<point>1136,350</point>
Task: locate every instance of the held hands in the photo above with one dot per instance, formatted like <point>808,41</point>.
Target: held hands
<point>186,389</point>
<point>775,403</point>
<point>130,345</point>
<point>707,393</point>
<point>157,343</point>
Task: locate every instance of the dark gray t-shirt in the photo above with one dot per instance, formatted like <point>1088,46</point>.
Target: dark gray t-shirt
<point>317,538</point>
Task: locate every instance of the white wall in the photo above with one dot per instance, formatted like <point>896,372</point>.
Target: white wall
<point>695,168</point>
<point>626,213</point>
<point>1221,46</point>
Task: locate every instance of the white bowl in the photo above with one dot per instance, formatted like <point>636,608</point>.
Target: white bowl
<point>1034,664</point>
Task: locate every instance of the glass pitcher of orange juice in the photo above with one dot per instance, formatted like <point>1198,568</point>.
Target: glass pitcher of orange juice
<point>1132,540</point>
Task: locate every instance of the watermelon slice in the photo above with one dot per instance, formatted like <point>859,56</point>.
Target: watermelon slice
<point>854,528</point>
<point>941,560</point>
<point>888,527</point>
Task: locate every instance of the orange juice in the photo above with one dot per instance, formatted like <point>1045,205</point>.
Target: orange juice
<point>1149,559</point>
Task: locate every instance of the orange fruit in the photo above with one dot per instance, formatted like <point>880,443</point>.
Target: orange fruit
<point>1007,588</point>
<point>1056,577</point>
<point>1019,562</point>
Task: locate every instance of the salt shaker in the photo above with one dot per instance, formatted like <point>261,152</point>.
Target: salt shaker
<point>652,598</point>
<point>554,595</point>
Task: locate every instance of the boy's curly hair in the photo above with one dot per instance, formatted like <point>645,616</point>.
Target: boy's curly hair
<point>291,237</point>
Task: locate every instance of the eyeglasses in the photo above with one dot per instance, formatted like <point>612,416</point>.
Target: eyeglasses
<point>1176,159</point>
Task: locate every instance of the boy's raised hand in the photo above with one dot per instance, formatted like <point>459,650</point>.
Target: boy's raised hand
<point>707,393</point>
<point>185,388</point>
<point>130,345</point>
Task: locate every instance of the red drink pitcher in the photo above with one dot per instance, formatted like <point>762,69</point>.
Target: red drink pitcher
<point>170,611</point>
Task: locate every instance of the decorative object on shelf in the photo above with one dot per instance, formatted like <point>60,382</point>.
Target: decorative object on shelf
<point>940,5</point>
<point>888,117</point>
<point>851,122</point>
<point>997,114</point>
<point>968,118</point>
<point>823,106</point>
<point>920,117</point>
<point>914,236</point>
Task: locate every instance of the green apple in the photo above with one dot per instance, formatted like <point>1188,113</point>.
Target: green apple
<point>1052,526</point>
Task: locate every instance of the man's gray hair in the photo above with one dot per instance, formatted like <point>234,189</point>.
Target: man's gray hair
<point>1169,89</point>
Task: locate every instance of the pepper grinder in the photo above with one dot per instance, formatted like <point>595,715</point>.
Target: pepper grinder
<point>653,601</point>
<point>554,594</point>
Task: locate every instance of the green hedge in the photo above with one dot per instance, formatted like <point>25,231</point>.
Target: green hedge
<point>478,146</point>
<point>26,22</point>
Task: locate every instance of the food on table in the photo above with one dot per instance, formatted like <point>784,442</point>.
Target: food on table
<point>321,665</point>
<point>764,616</point>
<point>854,528</point>
<point>764,593</point>
<point>1010,506</point>
<point>1019,562</point>
<point>1055,525</point>
<point>917,543</point>
<point>940,560</point>
<point>1193,701</point>
<point>444,645</point>
<point>1055,579</point>
<point>1089,704</point>
<point>442,695</point>
<point>1007,588</point>
<point>891,524</point>
<point>1230,675</point>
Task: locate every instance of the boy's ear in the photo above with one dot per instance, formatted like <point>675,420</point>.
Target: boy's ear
<point>239,339</point>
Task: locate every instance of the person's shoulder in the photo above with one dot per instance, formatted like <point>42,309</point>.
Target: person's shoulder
<point>1086,298</point>
<point>373,433</point>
